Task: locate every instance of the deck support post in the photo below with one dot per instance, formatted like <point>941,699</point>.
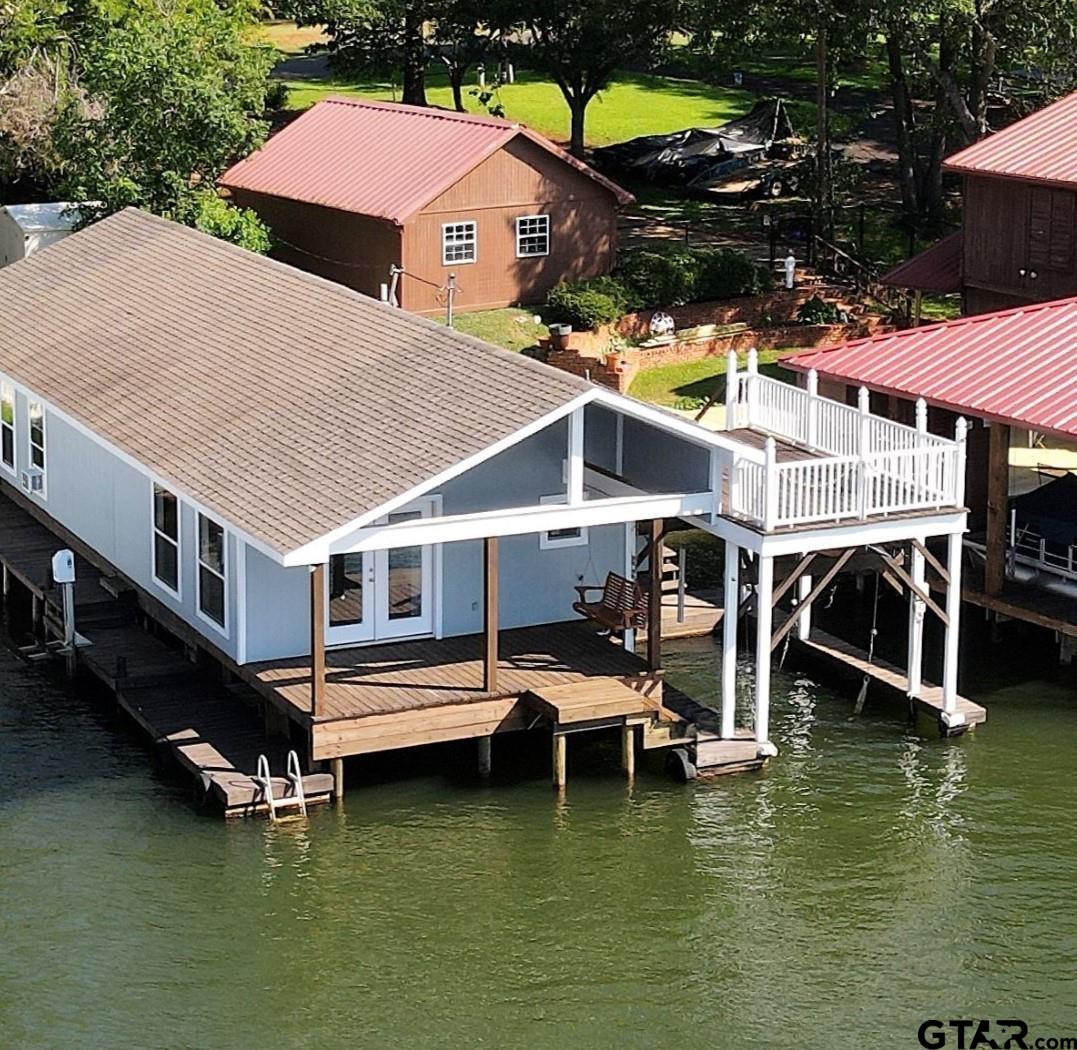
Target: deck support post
<point>917,612</point>
<point>629,638</point>
<point>763,624</point>
<point>317,639</point>
<point>804,619</point>
<point>486,756</point>
<point>654,594</point>
<point>336,767</point>
<point>954,546</point>
<point>731,601</point>
<point>560,760</point>
<point>489,614</point>
<point>998,484</point>
<point>628,750</point>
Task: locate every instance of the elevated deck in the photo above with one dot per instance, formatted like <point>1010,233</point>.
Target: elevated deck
<point>384,696</point>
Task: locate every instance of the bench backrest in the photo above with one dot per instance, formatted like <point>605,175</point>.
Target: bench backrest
<point>621,595</point>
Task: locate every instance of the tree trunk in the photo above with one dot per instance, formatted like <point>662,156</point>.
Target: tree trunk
<point>822,138</point>
<point>577,105</point>
<point>414,79</point>
<point>456,81</point>
<point>903,124</point>
<point>931,199</point>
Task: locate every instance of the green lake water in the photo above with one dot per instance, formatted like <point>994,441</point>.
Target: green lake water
<point>867,880</point>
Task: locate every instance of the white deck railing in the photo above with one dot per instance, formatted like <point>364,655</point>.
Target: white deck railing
<point>861,465</point>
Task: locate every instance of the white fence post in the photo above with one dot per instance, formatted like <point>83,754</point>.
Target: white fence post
<point>863,403</point>
<point>751,387</point>
<point>732,390</point>
<point>961,431</point>
<point>813,408</point>
<point>770,484</point>
<point>921,415</point>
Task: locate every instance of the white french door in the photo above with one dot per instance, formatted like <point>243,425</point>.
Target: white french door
<point>381,594</point>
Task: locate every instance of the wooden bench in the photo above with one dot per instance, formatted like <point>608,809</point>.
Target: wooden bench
<point>622,607</point>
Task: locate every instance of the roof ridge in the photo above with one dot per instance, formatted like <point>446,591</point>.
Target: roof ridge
<point>436,112</point>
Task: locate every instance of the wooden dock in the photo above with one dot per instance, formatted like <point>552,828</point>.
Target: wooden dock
<point>207,728</point>
<point>853,663</point>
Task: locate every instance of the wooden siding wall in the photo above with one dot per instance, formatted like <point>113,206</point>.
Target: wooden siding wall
<point>1001,240</point>
<point>521,179</point>
<point>350,249</point>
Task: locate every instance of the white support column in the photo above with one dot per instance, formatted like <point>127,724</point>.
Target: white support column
<point>804,619</point>
<point>717,457</point>
<point>953,629</point>
<point>813,408</point>
<point>770,484</point>
<point>863,403</point>
<point>917,611</point>
<point>921,415</point>
<point>961,433</point>
<point>629,573</point>
<point>732,390</point>
<point>751,388</point>
<point>731,601</point>
<point>619,454</point>
<point>764,596</point>
<point>574,460</point>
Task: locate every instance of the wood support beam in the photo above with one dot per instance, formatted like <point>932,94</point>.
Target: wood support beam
<point>560,761</point>
<point>814,593</point>
<point>655,531</point>
<point>486,756</point>
<point>921,592</point>
<point>802,566</point>
<point>998,494</point>
<point>336,767</point>
<point>934,562</point>
<point>317,640</point>
<point>490,578</point>
<point>628,750</point>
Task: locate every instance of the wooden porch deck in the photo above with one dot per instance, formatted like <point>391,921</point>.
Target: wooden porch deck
<point>399,694</point>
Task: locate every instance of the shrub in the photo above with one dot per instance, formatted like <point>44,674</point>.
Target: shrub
<point>819,311</point>
<point>704,557</point>
<point>671,275</point>
<point>658,276</point>
<point>586,304</point>
<point>724,274</point>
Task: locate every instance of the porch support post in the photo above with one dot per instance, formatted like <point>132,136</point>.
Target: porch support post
<point>629,640</point>
<point>804,621</point>
<point>628,750</point>
<point>731,602</point>
<point>763,624</point>
<point>917,611</point>
<point>485,756</point>
<point>998,484</point>
<point>489,613</point>
<point>654,595</point>
<point>317,639</point>
<point>560,761</point>
<point>336,767</point>
<point>953,627</point>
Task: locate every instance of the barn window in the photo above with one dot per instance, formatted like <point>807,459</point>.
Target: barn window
<point>1051,237</point>
<point>166,545</point>
<point>532,236</point>
<point>211,570</point>
<point>7,424</point>
<point>458,243</point>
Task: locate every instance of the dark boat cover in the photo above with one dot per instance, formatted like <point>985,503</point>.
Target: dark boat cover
<point>1051,510</point>
<point>697,156</point>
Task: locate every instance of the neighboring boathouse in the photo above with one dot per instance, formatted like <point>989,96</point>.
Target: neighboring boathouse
<point>353,189</point>
<point>395,534</point>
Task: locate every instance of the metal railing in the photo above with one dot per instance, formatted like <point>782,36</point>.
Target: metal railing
<point>860,466</point>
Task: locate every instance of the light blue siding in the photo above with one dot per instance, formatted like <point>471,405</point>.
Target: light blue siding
<point>278,608</point>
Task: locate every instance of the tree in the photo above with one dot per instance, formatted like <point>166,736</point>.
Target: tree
<point>170,100</point>
<point>581,45</point>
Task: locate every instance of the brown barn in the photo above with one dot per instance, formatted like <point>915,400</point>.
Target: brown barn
<point>352,188</point>
<point>1018,242</point>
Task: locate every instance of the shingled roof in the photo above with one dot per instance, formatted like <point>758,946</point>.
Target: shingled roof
<point>284,403</point>
<point>381,158</point>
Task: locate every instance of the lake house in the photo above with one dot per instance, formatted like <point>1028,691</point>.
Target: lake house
<point>353,189</point>
<point>1018,239</point>
<point>397,534</point>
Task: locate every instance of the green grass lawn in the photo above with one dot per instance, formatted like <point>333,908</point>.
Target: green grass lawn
<point>513,328</point>
<point>634,104</point>
<point>675,386</point>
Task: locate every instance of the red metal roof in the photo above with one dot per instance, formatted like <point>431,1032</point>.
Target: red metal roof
<point>936,269</point>
<point>381,158</point>
<point>1016,366</point>
<point>1041,148</point>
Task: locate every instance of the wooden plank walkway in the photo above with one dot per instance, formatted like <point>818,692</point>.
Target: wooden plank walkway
<point>836,651</point>
<point>212,734</point>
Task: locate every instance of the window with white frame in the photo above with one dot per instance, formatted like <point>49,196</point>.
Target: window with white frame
<point>7,424</point>
<point>37,435</point>
<point>212,570</point>
<point>166,539</point>
<point>532,236</point>
<point>561,537</point>
<point>458,243</point>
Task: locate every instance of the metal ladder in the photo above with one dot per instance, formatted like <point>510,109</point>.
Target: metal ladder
<point>296,800</point>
